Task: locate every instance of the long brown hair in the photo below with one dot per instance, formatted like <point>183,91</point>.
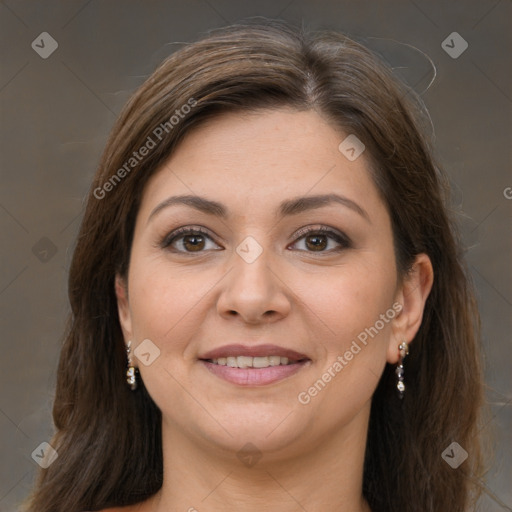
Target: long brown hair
<point>109,438</point>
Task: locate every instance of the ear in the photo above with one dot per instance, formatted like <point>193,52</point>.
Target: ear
<point>123,307</point>
<point>412,295</point>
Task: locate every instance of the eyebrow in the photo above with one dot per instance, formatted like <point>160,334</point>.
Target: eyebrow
<point>289,207</point>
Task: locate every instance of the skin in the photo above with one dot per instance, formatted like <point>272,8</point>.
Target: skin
<point>293,295</point>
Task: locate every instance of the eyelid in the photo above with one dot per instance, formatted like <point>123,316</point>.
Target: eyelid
<point>336,235</point>
<point>183,231</point>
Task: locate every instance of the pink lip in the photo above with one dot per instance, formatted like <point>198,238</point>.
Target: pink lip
<point>253,351</point>
<point>254,376</point>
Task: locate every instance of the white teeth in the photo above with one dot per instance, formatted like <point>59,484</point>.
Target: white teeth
<point>274,360</point>
<point>252,362</point>
<point>244,361</point>
<point>260,362</point>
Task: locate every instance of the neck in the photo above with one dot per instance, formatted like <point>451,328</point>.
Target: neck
<point>326,476</point>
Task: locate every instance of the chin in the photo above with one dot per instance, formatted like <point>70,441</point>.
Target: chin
<point>267,428</point>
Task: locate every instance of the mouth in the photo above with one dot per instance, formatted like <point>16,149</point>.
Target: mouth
<point>253,366</point>
<point>253,362</point>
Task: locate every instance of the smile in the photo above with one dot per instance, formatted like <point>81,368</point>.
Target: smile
<point>253,365</point>
<point>254,371</point>
<point>252,362</point>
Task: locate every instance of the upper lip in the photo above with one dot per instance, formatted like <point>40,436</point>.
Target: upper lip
<point>253,351</point>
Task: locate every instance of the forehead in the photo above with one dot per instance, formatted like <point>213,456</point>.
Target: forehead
<point>259,158</point>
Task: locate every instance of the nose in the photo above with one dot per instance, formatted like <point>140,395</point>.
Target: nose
<point>254,291</point>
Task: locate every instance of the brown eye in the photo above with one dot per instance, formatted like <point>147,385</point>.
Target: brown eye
<point>187,240</point>
<point>319,240</point>
<point>316,242</point>
<point>193,243</point>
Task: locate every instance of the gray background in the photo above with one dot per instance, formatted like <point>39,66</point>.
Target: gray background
<point>56,114</point>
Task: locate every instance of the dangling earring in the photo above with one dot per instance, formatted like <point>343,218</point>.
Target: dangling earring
<point>403,350</point>
<point>131,377</point>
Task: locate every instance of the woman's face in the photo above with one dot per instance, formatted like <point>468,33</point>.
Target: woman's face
<point>265,267</point>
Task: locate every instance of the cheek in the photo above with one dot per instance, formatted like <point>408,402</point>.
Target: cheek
<point>352,298</point>
<point>359,312</point>
<point>161,298</point>
<point>170,304</point>
<point>356,313</point>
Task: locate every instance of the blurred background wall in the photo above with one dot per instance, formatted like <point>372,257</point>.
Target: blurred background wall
<point>67,68</point>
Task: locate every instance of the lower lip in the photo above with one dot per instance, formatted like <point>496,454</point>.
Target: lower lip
<point>254,376</point>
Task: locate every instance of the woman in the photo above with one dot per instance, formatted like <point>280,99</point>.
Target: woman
<point>269,308</point>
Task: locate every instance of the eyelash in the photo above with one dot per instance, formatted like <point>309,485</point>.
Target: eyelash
<point>340,238</point>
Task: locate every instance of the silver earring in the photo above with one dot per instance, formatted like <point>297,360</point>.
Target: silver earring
<point>403,350</point>
<point>131,377</point>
